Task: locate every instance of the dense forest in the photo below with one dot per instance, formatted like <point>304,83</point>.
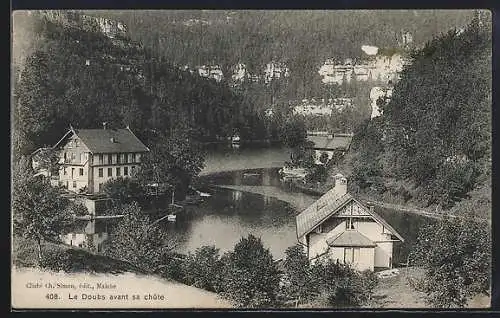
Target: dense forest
<point>301,39</point>
<point>432,144</point>
<point>82,78</point>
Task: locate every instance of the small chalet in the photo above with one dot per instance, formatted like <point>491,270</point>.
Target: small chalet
<point>340,227</point>
<point>329,144</point>
<point>91,157</point>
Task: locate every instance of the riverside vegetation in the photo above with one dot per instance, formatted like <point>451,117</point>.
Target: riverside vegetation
<point>442,161</point>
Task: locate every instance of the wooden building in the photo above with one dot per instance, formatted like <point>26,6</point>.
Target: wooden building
<point>340,227</point>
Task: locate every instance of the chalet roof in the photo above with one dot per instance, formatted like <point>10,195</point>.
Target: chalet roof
<point>326,206</point>
<point>341,142</point>
<point>108,140</point>
<point>350,239</point>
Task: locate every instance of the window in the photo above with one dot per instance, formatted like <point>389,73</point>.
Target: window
<point>110,159</point>
<point>73,236</point>
<point>100,172</point>
<point>351,255</point>
<point>81,171</point>
<point>74,184</point>
<point>125,158</point>
<point>82,158</point>
<point>65,157</point>
<point>67,184</point>
<point>137,157</point>
<point>73,157</point>
<point>65,172</point>
<point>125,171</point>
<point>72,173</point>
<point>100,187</point>
<point>349,224</point>
<point>100,159</point>
<point>319,229</point>
<point>76,142</point>
<point>118,158</point>
<point>133,169</point>
<point>110,172</point>
<point>130,157</point>
<point>118,172</point>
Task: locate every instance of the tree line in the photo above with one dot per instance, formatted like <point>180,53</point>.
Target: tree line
<point>83,78</point>
<point>433,141</point>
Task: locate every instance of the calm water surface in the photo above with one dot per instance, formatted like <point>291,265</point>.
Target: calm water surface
<point>228,215</point>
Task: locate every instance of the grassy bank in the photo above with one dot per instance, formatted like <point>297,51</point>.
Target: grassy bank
<point>67,258</point>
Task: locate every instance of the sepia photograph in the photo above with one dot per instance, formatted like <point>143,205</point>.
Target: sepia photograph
<point>251,159</point>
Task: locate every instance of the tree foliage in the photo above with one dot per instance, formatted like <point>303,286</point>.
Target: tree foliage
<point>456,256</point>
<point>122,190</point>
<point>298,285</point>
<point>343,285</point>
<point>251,278</point>
<point>435,132</point>
<point>81,77</point>
<point>203,269</point>
<point>40,212</point>
<point>173,162</point>
<point>137,240</point>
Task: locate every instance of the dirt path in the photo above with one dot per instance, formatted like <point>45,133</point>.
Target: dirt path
<point>402,208</point>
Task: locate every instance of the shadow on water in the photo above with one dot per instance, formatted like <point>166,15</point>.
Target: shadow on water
<point>408,225</point>
<point>228,215</point>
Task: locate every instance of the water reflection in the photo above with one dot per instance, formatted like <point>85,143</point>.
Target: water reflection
<point>226,217</point>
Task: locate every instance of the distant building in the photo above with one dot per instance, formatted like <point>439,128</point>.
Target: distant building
<point>329,144</point>
<point>321,108</point>
<point>91,157</point>
<point>274,71</point>
<point>339,227</point>
<point>211,71</point>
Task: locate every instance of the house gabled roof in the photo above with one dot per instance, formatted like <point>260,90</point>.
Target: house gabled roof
<point>350,239</point>
<point>107,140</point>
<point>326,206</point>
<point>342,142</point>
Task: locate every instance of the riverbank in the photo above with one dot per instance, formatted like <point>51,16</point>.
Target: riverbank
<point>299,201</point>
<point>245,159</point>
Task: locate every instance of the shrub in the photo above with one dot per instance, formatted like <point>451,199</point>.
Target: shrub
<point>297,284</point>
<point>343,286</point>
<point>202,268</point>
<point>250,276</point>
<point>456,257</point>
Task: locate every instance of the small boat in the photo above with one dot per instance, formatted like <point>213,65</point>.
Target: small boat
<point>204,194</point>
<point>249,174</point>
<point>171,217</point>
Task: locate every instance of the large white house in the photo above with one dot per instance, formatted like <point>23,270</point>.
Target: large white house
<point>339,227</point>
<point>91,157</point>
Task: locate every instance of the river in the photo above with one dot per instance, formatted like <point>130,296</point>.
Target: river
<point>230,213</point>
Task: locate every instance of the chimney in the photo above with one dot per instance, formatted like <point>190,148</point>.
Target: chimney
<point>104,125</point>
<point>340,185</point>
<point>370,206</point>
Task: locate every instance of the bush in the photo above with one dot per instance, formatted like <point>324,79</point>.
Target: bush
<point>202,268</point>
<point>456,257</point>
<point>297,284</point>
<point>250,276</point>
<point>343,286</point>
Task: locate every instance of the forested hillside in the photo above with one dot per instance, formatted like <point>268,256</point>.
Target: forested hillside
<point>79,77</point>
<point>432,145</point>
<point>301,39</point>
